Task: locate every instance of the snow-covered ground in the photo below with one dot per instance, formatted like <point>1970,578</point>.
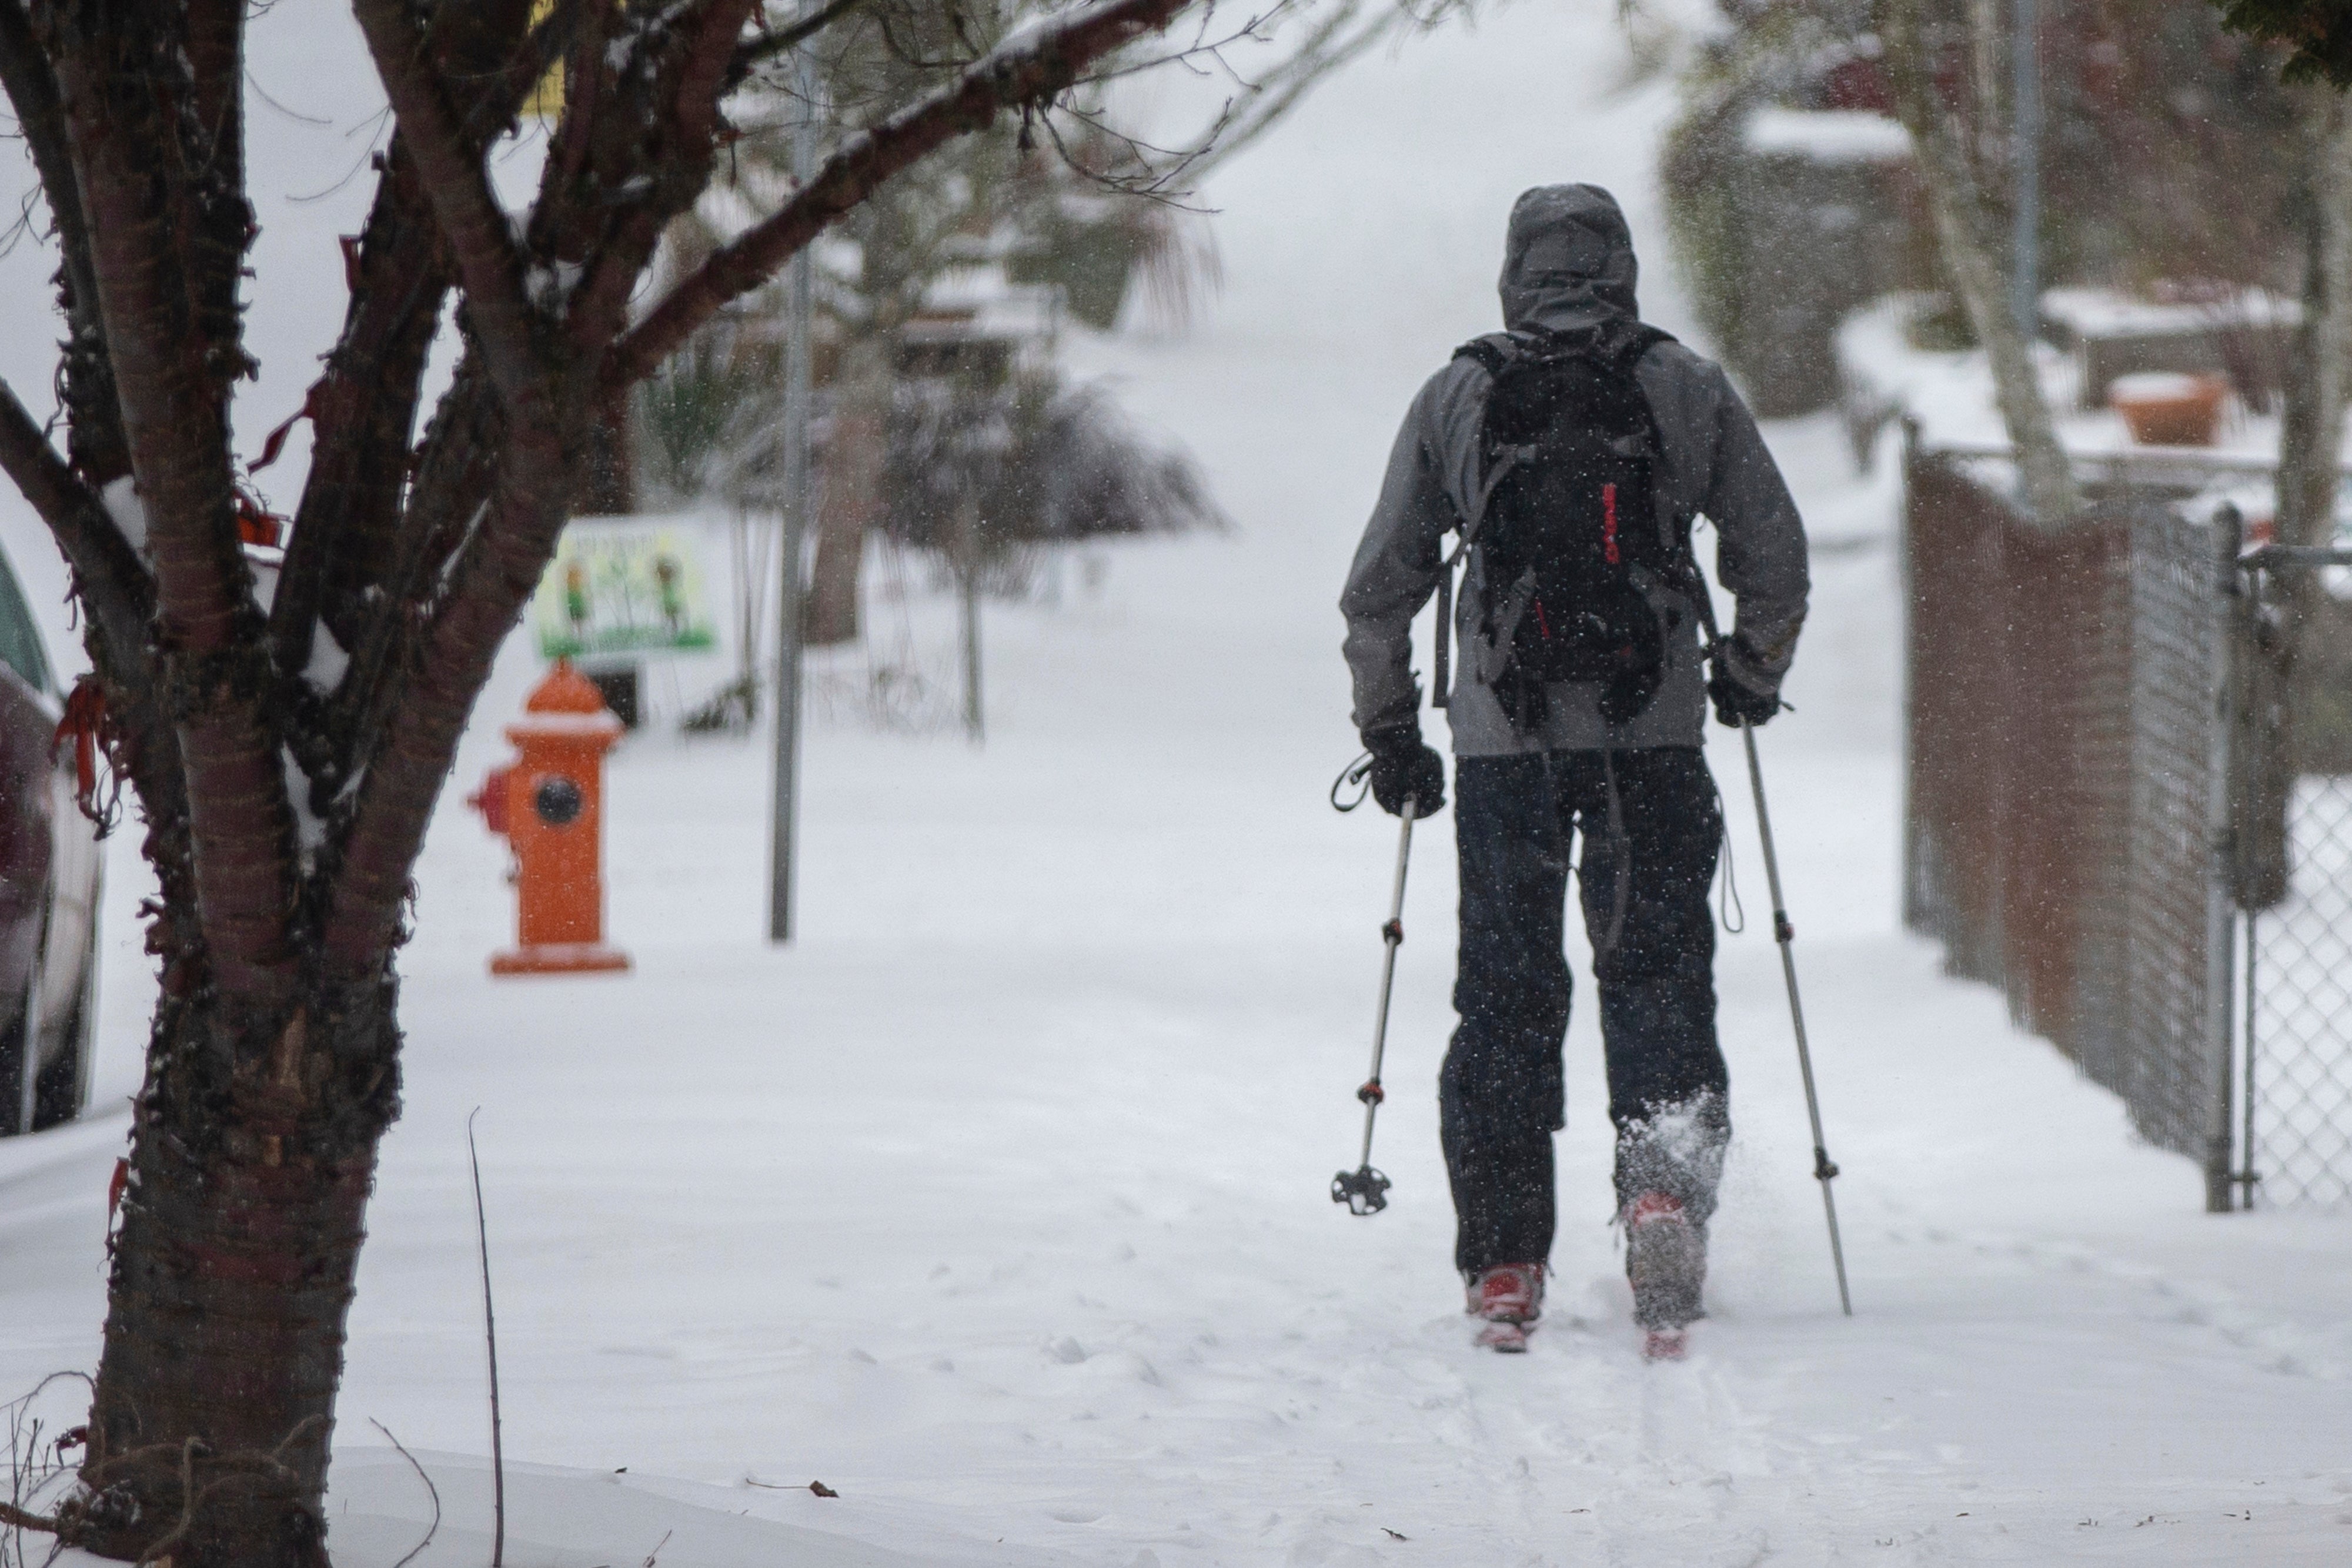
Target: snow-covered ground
<point>997,1202</point>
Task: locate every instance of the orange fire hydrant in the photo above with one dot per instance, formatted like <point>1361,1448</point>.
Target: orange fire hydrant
<point>549,804</point>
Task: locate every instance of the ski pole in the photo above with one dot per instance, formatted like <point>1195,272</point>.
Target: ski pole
<point>1825,1169</point>
<point>1365,1191</point>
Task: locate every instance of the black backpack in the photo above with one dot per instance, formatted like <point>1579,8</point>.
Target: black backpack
<point>1569,525</point>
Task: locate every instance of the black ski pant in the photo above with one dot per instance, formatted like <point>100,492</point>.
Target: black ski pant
<point>1651,824</point>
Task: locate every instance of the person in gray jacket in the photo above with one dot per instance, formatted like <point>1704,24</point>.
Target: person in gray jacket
<point>1536,768</point>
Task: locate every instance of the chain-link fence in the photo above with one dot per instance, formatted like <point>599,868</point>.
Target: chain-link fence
<point>2299,1017</point>
<point>2066,775</point>
<point>2121,734</point>
<point>2173,1068</point>
<point>2295,815</point>
<point>2018,771</point>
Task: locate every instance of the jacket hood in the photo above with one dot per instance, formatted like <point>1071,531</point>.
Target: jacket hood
<point>1568,261</point>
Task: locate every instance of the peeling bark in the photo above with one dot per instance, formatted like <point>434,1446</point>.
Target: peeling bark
<point>155,231</point>
<point>253,1154</point>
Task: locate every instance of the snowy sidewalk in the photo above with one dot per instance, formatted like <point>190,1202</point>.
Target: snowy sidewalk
<point>997,1204</point>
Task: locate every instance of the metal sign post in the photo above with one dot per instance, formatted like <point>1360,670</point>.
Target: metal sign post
<point>784,799</point>
<point>975,727</point>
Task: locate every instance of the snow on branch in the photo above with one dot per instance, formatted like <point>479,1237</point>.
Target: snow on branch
<point>113,584</point>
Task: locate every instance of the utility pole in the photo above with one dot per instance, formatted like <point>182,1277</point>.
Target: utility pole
<point>2025,239</point>
<point>784,796</point>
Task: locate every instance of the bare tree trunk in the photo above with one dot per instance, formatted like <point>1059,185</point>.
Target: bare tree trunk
<point>1988,35</point>
<point>2311,438</point>
<point>1969,257</point>
<point>232,1274</point>
<point>2311,442</point>
<point>852,501</point>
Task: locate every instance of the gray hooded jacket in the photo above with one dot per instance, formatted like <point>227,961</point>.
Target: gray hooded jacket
<point>1568,265</point>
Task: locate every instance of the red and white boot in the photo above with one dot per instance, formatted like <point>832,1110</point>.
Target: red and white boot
<point>1510,1298</point>
<point>1665,1259</point>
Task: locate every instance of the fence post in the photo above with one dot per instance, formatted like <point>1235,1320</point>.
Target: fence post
<point>2247,1177</point>
<point>1914,907</point>
<point>2220,873</point>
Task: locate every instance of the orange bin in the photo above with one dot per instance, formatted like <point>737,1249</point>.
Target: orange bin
<point>549,804</point>
<point>2162,409</point>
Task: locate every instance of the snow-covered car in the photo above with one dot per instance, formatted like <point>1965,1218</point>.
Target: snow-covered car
<point>50,866</point>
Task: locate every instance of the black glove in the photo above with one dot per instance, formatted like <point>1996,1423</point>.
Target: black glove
<point>1740,696</point>
<point>1403,769</point>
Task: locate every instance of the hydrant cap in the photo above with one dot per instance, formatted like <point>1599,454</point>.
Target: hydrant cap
<point>566,690</point>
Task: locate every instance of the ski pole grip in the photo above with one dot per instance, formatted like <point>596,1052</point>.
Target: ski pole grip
<point>1392,931</point>
<point>1371,1093</point>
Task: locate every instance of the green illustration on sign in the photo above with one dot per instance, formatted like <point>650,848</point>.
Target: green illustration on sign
<point>623,587</point>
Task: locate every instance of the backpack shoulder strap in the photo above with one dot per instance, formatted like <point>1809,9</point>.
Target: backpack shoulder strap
<point>1626,346</point>
<point>1620,350</point>
<point>1624,351</point>
<point>1494,352</point>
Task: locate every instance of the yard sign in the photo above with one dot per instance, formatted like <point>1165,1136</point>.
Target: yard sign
<point>622,587</point>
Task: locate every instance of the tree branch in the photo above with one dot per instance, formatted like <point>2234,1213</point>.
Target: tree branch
<point>1027,68</point>
<point>455,466</point>
<point>674,165</point>
<point>364,408</point>
<point>471,52</point>
<point>124,82</point>
<point>363,413</point>
<point>213,136</point>
<point>117,96</point>
<point>94,421</point>
<point>118,600</point>
<point>1330,45</point>
<point>352,561</point>
<point>481,242</point>
<point>113,585</point>
<point>33,89</point>
<point>492,578</point>
<point>583,79</point>
<point>785,41</point>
